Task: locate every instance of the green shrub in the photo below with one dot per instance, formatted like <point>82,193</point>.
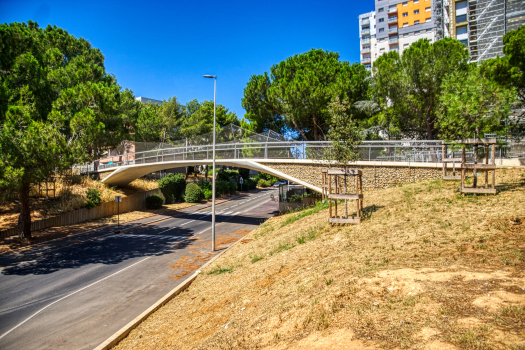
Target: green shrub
<point>172,187</point>
<point>207,193</point>
<point>193,193</point>
<point>248,184</point>
<point>222,187</point>
<point>154,202</point>
<point>205,185</point>
<point>244,173</point>
<point>297,198</point>
<point>92,198</point>
<point>264,183</point>
<point>232,187</point>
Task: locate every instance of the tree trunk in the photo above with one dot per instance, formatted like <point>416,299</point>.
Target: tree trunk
<point>316,137</point>
<point>206,174</point>
<point>299,130</point>
<point>24,220</point>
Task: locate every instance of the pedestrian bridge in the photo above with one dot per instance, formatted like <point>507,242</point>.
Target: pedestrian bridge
<point>296,161</point>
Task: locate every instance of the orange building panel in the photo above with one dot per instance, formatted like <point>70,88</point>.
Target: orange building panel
<point>411,16</point>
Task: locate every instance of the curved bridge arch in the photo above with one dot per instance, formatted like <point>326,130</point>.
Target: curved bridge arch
<point>125,174</point>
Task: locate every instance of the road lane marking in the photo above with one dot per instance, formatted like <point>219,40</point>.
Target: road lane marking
<point>67,296</point>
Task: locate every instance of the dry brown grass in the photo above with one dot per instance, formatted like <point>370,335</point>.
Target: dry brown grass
<point>140,185</point>
<point>428,268</point>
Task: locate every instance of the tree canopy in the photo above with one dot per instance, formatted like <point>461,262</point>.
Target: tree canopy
<point>296,93</point>
<point>58,107</point>
<point>412,83</point>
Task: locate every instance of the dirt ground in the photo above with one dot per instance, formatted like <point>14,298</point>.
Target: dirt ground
<point>428,268</point>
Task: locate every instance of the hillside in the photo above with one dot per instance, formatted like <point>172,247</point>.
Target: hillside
<point>427,269</point>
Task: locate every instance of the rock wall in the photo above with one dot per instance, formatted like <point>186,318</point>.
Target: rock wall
<point>374,177</point>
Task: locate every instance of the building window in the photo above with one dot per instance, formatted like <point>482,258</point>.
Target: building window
<point>428,19</point>
<point>381,20</point>
<point>464,42</point>
<point>368,66</point>
<point>461,30</point>
<point>461,5</point>
<point>405,4</point>
<point>381,9</point>
<point>406,34</point>
<point>382,49</point>
<point>416,1</point>
<point>461,18</point>
<point>416,12</point>
<point>427,9</point>
<point>416,22</point>
<point>405,25</point>
<point>406,45</point>
<point>405,14</point>
<point>381,30</point>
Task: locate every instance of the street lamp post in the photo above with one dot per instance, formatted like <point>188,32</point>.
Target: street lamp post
<point>213,166</point>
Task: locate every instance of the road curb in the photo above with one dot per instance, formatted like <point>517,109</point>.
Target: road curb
<point>124,331</point>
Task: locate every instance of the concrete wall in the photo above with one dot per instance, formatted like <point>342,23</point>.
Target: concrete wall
<point>374,176</point>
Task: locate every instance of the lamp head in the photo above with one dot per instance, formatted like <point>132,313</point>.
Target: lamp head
<point>210,76</point>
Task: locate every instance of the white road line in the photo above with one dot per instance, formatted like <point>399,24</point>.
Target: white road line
<point>188,222</point>
<point>228,213</point>
<point>67,296</point>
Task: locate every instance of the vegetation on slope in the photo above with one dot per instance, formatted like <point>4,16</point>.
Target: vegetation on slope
<point>427,268</point>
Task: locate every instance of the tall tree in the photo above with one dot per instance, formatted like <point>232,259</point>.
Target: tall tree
<point>296,93</point>
<point>58,107</point>
<point>472,105</point>
<point>419,74</point>
<point>201,121</point>
<point>159,123</point>
<point>509,71</point>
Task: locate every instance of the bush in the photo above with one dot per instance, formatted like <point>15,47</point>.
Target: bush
<point>207,193</point>
<point>154,202</point>
<point>193,193</point>
<point>222,187</point>
<point>244,173</point>
<point>172,187</point>
<point>92,198</point>
<point>223,176</point>
<point>298,198</point>
<point>264,183</point>
<point>248,184</point>
<point>232,187</point>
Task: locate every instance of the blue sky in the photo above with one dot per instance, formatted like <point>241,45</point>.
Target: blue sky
<point>161,49</point>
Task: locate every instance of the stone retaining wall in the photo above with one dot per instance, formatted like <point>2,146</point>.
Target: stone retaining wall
<point>374,177</point>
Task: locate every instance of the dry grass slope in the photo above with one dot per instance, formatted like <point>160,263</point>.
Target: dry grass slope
<point>427,269</point>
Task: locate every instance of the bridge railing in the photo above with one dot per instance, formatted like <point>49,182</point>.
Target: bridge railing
<point>392,151</point>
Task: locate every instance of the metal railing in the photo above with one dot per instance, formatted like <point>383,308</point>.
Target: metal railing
<point>392,9</point>
<point>393,40</point>
<point>399,151</point>
<point>365,32</point>
<point>365,40</point>
<point>392,19</point>
<point>391,151</point>
<point>365,22</point>
<point>392,29</point>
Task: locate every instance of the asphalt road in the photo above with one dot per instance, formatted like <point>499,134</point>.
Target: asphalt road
<point>75,293</point>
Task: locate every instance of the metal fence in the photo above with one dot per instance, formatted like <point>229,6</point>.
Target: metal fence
<point>392,151</point>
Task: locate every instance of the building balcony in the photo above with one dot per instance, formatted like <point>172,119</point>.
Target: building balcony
<point>392,30</point>
<point>365,21</point>
<point>393,40</point>
<point>392,19</point>
<point>363,51</point>
<point>365,32</point>
<point>394,50</point>
<point>392,10</point>
<point>366,60</point>
<point>365,40</point>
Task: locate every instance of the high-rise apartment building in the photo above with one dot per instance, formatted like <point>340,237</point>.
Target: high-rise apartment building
<point>479,24</point>
<point>367,35</point>
<point>397,24</point>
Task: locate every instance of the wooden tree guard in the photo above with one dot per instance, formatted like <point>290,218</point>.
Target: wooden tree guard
<point>485,166</point>
<point>340,191</point>
<point>450,160</point>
